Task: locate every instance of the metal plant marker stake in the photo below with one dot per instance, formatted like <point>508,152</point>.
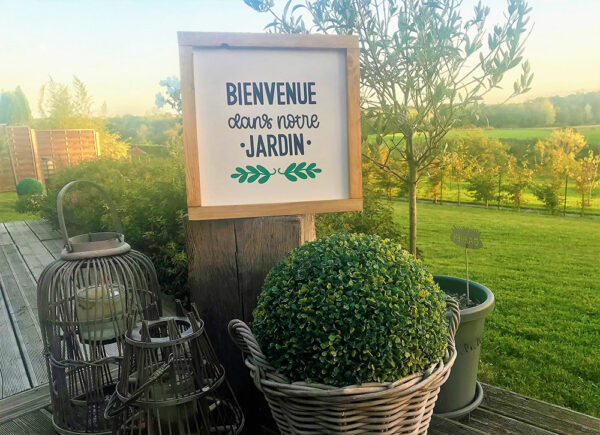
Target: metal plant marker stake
<point>466,238</point>
<point>467,272</point>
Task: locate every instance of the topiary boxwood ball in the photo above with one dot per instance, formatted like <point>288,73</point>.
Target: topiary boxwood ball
<point>28,186</point>
<point>349,309</point>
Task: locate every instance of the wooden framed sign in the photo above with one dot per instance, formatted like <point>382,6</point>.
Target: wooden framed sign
<point>271,124</point>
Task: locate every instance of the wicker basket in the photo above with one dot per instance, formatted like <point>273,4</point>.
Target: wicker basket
<point>401,407</point>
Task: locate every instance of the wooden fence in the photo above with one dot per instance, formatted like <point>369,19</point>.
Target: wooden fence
<point>38,153</point>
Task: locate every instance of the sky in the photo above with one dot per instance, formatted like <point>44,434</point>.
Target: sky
<point>122,49</point>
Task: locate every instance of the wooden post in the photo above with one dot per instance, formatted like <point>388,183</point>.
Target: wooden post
<point>228,260</point>
<point>37,164</point>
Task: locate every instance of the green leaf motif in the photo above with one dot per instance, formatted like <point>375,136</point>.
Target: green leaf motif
<point>293,172</point>
<point>252,173</point>
<point>301,170</point>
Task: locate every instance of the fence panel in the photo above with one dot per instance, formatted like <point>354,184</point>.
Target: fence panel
<point>38,153</point>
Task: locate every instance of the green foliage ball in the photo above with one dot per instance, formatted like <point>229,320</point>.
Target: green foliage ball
<point>28,186</point>
<point>349,309</point>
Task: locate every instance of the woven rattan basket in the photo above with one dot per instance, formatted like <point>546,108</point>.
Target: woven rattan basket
<point>401,407</point>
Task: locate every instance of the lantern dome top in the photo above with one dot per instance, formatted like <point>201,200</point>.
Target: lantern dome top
<point>95,245</point>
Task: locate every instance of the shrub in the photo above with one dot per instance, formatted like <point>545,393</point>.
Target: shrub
<point>483,186</point>
<point>149,195</point>
<point>348,309</point>
<point>549,194</point>
<point>28,186</point>
<point>30,203</point>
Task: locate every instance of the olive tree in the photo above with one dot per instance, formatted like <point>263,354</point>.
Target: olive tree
<point>422,66</point>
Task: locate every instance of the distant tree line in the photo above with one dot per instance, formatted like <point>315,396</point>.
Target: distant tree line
<point>14,108</point>
<point>143,131</point>
<point>573,110</point>
<point>487,169</point>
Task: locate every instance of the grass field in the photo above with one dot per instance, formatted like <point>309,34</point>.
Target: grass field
<point>543,338</point>
<point>7,209</point>
<point>591,133</point>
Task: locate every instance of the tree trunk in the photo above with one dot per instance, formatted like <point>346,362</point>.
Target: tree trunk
<point>442,187</point>
<point>582,202</point>
<point>412,207</point>
<point>499,188</point>
<point>565,202</point>
<point>458,193</point>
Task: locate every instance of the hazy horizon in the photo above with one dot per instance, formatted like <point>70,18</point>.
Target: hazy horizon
<point>122,49</point>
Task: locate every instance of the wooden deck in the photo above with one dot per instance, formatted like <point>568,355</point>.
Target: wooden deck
<point>27,247</point>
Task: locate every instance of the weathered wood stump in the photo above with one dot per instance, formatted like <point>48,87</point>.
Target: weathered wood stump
<point>228,260</point>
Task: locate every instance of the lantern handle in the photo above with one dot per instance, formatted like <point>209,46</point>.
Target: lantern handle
<point>109,412</point>
<point>61,215</point>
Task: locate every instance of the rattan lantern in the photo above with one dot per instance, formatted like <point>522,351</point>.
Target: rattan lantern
<point>84,299</point>
<point>172,382</point>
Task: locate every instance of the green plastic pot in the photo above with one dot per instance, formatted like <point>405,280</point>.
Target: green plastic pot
<point>462,393</point>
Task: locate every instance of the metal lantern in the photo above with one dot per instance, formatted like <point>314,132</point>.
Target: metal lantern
<point>172,382</point>
<point>84,299</point>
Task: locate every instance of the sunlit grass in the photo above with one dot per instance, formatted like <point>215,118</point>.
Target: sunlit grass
<point>543,338</point>
<point>7,209</point>
<point>591,133</point>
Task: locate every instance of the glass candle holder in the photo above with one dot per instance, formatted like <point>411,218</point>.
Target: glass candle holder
<point>100,312</point>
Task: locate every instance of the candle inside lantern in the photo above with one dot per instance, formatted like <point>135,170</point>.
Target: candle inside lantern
<point>100,312</point>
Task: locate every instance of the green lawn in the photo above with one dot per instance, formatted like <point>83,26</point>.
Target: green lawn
<point>543,338</point>
<point>7,209</point>
<point>591,133</point>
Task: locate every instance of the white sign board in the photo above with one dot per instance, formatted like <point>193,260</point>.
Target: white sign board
<point>271,127</point>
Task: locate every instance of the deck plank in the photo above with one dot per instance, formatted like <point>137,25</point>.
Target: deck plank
<point>490,422</point>
<point>23,403</point>
<point>4,236</point>
<point>21,301</point>
<point>54,246</point>
<point>13,376</point>
<point>445,426</point>
<point>43,230</point>
<point>36,256</point>
<point>34,423</point>
<point>50,238</point>
<point>540,414</point>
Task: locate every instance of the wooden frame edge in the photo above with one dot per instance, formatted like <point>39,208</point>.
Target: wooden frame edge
<point>353,122</point>
<point>349,43</point>
<point>263,40</point>
<point>274,209</point>
<point>190,131</point>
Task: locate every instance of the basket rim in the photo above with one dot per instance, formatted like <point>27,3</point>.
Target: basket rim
<point>408,384</point>
<point>266,376</point>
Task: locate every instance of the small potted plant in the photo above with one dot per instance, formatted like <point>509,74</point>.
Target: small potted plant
<point>462,393</point>
<point>350,335</point>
